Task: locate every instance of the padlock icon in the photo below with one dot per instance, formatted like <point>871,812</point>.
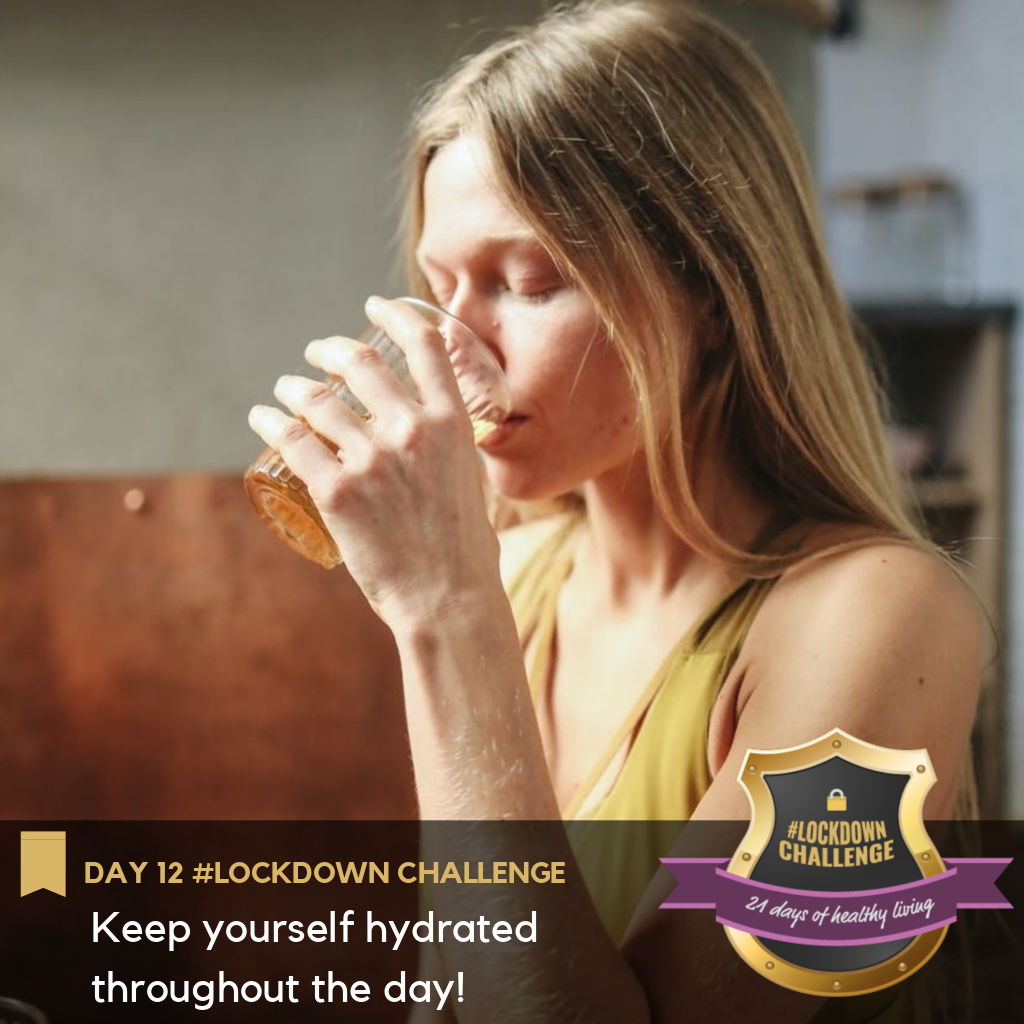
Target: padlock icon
<point>837,800</point>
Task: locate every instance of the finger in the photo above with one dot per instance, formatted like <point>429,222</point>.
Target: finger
<point>317,403</point>
<point>305,454</point>
<point>424,346</point>
<point>365,373</point>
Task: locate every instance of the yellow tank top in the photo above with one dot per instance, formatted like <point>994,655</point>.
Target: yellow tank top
<point>665,772</point>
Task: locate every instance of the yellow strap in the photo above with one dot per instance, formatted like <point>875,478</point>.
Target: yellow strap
<point>643,703</point>
<point>528,589</point>
<point>547,618</point>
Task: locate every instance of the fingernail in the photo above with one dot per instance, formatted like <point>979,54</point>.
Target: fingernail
<point>373,302</point>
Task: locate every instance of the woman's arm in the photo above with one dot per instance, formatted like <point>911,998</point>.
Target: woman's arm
<point>882,642</point>
<point>402,498</point>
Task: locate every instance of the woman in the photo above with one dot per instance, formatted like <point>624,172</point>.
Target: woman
<point>615,202</point>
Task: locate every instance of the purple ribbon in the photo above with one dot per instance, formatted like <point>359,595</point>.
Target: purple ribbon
<point>836,918</point>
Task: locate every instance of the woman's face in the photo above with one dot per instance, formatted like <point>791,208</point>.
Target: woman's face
<point>574,416</point>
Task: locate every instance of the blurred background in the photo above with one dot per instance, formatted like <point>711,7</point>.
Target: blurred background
<point>192,189</point>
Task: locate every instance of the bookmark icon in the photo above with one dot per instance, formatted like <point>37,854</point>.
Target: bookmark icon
<point>44,862</point>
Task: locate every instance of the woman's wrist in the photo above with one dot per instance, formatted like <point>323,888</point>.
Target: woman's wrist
<point>465,649</point>
<point>475,743</point>
<point>428,613</point>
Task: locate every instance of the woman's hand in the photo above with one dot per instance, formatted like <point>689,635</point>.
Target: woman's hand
<point>401,496</point>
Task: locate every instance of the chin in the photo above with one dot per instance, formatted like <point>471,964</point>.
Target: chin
<point>520,487</point>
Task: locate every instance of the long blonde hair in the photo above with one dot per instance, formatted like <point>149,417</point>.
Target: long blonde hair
<point>650,152</point>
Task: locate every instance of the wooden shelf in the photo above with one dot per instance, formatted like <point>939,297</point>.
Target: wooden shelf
<point>943,493</point>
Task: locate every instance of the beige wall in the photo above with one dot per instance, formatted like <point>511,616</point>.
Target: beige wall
<point>190,190</point>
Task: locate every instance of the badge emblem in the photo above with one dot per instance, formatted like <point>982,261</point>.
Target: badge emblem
<point>837,888</point>
<point>844,817</point>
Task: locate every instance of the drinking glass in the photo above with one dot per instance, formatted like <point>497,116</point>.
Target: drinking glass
<point>281,498</point>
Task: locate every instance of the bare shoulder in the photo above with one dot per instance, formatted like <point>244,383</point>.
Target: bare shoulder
<point>519,542</point>
<point>882,639</point>
<point>879,586</point>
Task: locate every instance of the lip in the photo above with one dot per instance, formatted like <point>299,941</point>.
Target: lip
<point>501,434</point>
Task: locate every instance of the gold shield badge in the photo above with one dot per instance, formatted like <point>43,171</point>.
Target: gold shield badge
<point>837,860</point>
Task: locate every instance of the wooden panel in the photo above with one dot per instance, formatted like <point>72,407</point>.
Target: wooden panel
<point>179,662</point>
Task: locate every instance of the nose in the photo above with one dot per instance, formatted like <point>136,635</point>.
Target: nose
<point>479,315</point>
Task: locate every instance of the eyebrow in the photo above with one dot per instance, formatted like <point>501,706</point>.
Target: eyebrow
<point>487,243</point>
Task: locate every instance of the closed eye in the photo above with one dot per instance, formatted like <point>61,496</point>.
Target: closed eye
<point>536,289</point>
<point>538,295</point>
